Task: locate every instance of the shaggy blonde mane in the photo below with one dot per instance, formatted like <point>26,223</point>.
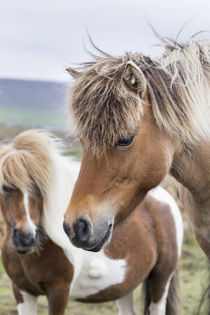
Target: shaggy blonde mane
<point>27,162</point>
<point>178,86</point>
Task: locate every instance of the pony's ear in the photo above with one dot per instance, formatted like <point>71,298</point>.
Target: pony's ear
<point>74,73</point>
<point>134,78</point>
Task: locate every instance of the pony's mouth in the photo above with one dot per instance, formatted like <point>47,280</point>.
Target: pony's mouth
<point>24,252</point>
<point>104,241</point>
<point>20,250</point>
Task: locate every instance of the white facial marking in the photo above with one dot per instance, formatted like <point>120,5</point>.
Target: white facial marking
<point>29,305</point>
<point>30,222</point>
<point>162,195</point>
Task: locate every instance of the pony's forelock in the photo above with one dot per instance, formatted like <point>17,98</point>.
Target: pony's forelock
<point>101,104</point>
<point>26,163</point>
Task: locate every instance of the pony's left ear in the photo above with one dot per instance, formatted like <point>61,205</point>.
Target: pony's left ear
<point>74,73</point>
<point>134,78</point>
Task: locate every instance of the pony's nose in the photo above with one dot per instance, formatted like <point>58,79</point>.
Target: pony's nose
<point>82,229</point>
<point>80,232</point>
<point>23,241</point>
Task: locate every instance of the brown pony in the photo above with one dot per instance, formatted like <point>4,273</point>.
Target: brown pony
<point>140,118</point>
<point>35,180</point>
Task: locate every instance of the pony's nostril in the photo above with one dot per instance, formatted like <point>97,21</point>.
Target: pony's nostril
<point>15,233</point>
<point>66,228</point>
<point>82,229</point>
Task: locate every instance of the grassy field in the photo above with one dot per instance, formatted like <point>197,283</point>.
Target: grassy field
<point>194,273</point>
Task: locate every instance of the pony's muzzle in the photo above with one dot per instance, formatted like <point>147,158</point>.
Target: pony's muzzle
<point>80,232</point>
<point>83,235</point>
<point>23,241</point>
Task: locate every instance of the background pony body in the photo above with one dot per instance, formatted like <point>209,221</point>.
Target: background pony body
<point>145,248</point>
<point>139,119</point>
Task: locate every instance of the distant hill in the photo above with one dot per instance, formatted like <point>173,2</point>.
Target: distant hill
<point>31,103</point>
<point>40,95</point>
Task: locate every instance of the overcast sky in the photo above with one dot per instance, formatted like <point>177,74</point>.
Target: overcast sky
<point>39,38</point>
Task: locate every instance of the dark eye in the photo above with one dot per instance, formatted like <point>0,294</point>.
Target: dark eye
<point>7,189</point>
<point>124,141</point>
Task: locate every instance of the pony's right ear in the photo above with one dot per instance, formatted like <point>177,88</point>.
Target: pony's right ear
<point>134,78</point>
<point>74,73</point>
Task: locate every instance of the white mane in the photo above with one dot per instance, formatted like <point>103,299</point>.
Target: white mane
<point>65,172</point>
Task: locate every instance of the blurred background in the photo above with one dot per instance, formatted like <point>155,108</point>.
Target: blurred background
<point>38,40</point>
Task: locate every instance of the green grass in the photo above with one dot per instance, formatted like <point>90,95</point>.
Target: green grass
<point>194,275</point>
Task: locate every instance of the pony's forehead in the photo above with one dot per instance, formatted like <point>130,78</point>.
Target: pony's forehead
<point>25,186</point>
<point>28,171</point>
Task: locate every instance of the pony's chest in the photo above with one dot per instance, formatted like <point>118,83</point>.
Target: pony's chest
<point>97,273</point>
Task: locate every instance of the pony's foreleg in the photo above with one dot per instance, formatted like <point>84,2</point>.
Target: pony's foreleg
<point>29,305</point>
<point>26,303</point>
<point>125,305</point>
<point>58,298</point>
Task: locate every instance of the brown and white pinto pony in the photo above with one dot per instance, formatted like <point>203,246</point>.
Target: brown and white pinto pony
<point>140,118</point>
<point>35,180</point>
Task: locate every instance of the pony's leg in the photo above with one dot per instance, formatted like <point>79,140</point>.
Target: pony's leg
<point>26,303</point>
<point>58,298</point>
<point>29,305</point>
<point>125,305</point>
<point>159,308</point>
<point>159,290</point>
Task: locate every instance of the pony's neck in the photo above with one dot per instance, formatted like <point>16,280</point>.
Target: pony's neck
<point>65,173</point>
<point>55,204</point>
<point>191,169</point>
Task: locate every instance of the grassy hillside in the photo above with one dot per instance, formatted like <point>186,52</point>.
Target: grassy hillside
<point>30,118</point>
<point>32,104</point>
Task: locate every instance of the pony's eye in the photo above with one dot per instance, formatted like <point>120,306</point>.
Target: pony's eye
<point>7,189</point>
<point>124,141</point>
